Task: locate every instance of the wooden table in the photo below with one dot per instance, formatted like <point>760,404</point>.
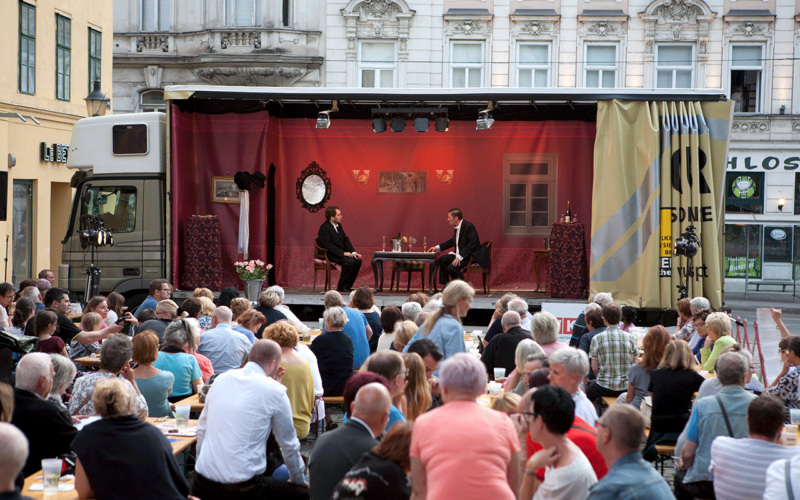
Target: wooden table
<point>193,401</point>
<point>89,361</point>
<point>379,257</point>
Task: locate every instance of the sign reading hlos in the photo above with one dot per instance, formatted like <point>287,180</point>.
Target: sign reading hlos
<point>56,153</point>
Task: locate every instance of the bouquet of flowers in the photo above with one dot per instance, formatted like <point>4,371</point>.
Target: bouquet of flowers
<point>252,270</point>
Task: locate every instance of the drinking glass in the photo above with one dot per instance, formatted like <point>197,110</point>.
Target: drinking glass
<point>182,416</point>
<point>51,470</point>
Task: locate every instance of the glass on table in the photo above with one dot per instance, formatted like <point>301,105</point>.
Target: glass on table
<point>182,417</point>
<point>51,471</point>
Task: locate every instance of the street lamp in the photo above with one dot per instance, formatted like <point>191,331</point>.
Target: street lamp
<point>96,102</point>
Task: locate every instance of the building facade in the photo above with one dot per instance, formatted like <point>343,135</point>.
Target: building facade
<point>215,42</point>
<point>54,50</point>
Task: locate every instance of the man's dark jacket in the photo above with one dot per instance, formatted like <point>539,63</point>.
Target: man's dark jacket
<point>468,244</point>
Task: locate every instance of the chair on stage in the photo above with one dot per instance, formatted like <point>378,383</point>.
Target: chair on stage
<point>323,263</point>
<point>410,266</point>
<point>474,268</point>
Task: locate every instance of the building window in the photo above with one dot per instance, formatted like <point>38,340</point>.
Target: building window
<point>156,15</point>
<point>377,66</point>
<point>674,66</point>
<point>95,50</point>
<point>742,251</point>
<point>286,15</point>
<point>744,193</point>
<point>243,12</point>
<point>153,100</point>
<point>600,67</point>
<point>747,66</point>
<point>533,65</point>
<point>27,48</point>
<point>778,244</point>
<point>466,64</point>
<point>63,55</point>
<point>529,194</point>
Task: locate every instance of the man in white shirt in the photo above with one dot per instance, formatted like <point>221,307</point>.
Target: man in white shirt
<point>568,367</point>
<point>222,345</point>
<point>241,409</point>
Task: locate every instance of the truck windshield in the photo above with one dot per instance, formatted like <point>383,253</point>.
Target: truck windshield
<point>115,204</point>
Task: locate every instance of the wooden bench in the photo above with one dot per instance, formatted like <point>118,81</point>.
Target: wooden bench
<point>665,452</point>
<point>333,400</point>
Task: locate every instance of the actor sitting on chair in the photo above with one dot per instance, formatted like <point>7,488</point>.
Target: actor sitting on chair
<point>465,242</point>
<point>340,250</point>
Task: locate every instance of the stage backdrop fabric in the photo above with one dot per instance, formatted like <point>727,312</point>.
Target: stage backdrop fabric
<point>659,167</point>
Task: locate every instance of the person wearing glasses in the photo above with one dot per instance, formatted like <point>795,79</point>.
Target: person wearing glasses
<point>786,384</point>
<point>7,303</point>
<point>159,290</point>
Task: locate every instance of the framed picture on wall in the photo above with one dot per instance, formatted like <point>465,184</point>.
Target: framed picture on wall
<point>414,182</point>
<point>224,190</point>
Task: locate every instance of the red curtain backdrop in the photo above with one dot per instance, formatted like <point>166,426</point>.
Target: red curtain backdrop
<point>204,146</point>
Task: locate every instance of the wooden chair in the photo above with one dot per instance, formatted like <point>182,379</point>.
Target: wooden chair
<point>411,266</point>
<point>474,268</point>
<point>323,263</point>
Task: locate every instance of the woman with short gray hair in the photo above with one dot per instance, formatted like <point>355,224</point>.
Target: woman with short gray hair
<point>115,356</point>
<point>334,351</point>
<point>63,375</point>
<point>544,327</point>
<point>177,359</point>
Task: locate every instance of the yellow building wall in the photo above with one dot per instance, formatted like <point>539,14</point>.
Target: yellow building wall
<point>51,193</point>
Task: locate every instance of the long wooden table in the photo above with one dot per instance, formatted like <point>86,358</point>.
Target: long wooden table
<point>89,361</point>
<point>193,401</point>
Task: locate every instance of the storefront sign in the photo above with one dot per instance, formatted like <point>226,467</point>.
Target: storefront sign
<point>764,161</point>
<point>734,267</point>
<point>55,153</point>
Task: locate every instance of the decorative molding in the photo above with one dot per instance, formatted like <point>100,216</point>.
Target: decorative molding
<point>748,28</point>
<point>377,19</point>
<point>536,28</point>
<point>795,126</point>
<point>444,176</point>
<point>377,10</point>
<point>152,43</point>
<point>594,28</point>
<point>681,11</point>
<point>361,176</point>
<point>251,76</point>
<point>750,126</point>
<point>240,39</point>
<point>602,28</point>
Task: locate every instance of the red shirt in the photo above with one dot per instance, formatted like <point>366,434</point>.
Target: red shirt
<point>585,437</point>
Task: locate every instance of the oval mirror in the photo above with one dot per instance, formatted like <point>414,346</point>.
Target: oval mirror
<point>313,188</point>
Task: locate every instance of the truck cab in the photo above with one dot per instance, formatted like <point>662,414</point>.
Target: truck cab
<point>120,176</point>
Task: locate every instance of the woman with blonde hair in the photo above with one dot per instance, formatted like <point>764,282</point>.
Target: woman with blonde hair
<point>239,306</point>
<point>206,310</point>
<point>718,326</point>
<point>417,392</point>
<point>544,327</point>
<point>525,348</point>
<point>404,331</point>
<point>508,403</point>
<point>203,292</point>
<point>444,326</point>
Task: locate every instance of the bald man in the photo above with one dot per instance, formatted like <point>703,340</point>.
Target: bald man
<point>337,451</point>
<point>243,406</point>
<point>13,454</point>
<point>222,345</point>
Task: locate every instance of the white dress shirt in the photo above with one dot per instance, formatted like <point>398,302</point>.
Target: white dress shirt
<point>241,409</point>
<point>455,245</point>
<point>299,325</point>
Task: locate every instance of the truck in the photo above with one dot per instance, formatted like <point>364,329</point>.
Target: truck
<point>511,159</point>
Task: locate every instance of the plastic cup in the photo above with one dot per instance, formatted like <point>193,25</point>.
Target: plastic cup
<point>494,389</point>
<point>794,416</point>
<point>321,323</point>
<point>499,373</point>
<point>182,416</point>
<point>51,470</point>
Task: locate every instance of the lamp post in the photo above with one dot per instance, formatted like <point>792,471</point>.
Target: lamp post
<point>96,102</point>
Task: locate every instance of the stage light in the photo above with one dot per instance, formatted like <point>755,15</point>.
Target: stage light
<point>398,124</point>
<point>442,124</point>
<point>485,120</point>
<point>378,125</point>
<point>323,120</point>
<point>421,124</point>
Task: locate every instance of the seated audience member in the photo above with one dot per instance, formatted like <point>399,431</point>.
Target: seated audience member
<point>31,293</point>
<point>156,385</point>
<point>363,300</point>
<point>404,332</point>
<point>226,295</point>
<point>301,327</point>
<point>594,326</point>
<point>693,478</point>
<point>334,352</point>
<point>222,345</point>
<point>109,449</point>
<point>439,451</point>
<point>521,307</point>
<point>305,352</point>
<point>417,392</point>
<point>338,451</point>
<point>718,326</point>
<point>115,358</point>
<point>63,375</point>
<point>544,327</point>
<point>57,300</point>
<point>251,320</point>
<point>231,451</point>
<point>619,437</point>
<point>508,403</point>
<point>549,412</point>
<point>740,465</point>
<point>597,303</point>
<point>204,292</point>
<point>418,297</point>
<point>685,327</point>
<point>99,305</point>
<point>672,386</point>
<point>239,306</point>
<point>297,377</point>
<point>500,308</point>
<point>6,402</point>
<point>7,293</point>
<point>267,302</point>
<point>19,320</point>
<point>90,323</point>
<point>49,430</point>
<point>787,384</point>
<point>205,364</point>
<point>515,381</point>
<point>116,304</point>
<point>357,327</point>
<point>382,472</point>
<point>696,305</point>
<point>146,315</point>
<point>411,310</point>
<point>389,318</point>
<point>700,331</point>
<point>13,455</point>
<point>568,367</point>
<point>160,289</point>
<point>207,308</point>
<point>537,378</point>
<point>45,325</point>
<point>391,366</point>
<point>175,359</point>
<point>166,313</point>
<point>653,344</point>
<point>628,317</point>
<point>783,479</point>
<point>612,353</point>
<point>431,355</point>
<point>500,353</point>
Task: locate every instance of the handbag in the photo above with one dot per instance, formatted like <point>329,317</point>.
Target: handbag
<point>22,344</point>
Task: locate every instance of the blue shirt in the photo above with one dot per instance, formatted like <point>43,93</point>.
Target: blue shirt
<point>448,334</point>
<point>631,478</point>
<point>247,333</point>
<point>156,390</point>
<point>149,303</point>
<point>356,329</point>
<point>183,366</point>
<point>224,347</point>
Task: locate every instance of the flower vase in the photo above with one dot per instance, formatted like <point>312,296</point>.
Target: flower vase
<point>252,289</point>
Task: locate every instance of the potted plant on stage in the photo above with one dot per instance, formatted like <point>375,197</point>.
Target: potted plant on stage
<point>253,273</point>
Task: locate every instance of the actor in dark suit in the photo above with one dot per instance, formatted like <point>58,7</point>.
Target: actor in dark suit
<point>340,250</point>
<point>466,242</point>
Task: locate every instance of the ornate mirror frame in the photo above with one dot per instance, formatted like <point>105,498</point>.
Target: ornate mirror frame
<point>311,204</point>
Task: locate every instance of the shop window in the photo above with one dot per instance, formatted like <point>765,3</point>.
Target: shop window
<point>115,204</point>
<point>466,64</point>
<point>747,66</point>
<point>674,66</point>
<point>778,244</point>
<point>742,244</point>
<point>600,67</point>
<point>377,66</point>
<point>529,194</point>
<point>744,193</point>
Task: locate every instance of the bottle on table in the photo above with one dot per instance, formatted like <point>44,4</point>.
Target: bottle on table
<point>568,215</point>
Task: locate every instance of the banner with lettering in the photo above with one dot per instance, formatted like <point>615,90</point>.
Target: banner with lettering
<point>659,171</point>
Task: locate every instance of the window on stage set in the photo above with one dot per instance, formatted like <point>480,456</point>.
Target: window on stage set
<point>744,193</point>
<point>466,64</point>
<point>529,194</point>
<point>601,62</point>
<point>377,64</point>
<point>156,15</point>
<point>778,244</point>
<point>742,242</point>
<point>674,66</point>
<point>533,65</point>
<point>747,68</point>
<point>115,204</point>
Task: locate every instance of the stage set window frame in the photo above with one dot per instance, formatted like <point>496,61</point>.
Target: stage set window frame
<point>673,67</point>
<point>601,67</point>
<point>745,70</point>
<point>161,15</point>
<point>27,39</point>
<point>735,204</point>
<point>467,66</point>
<point>63,57</point>
<point>533,68</point>
<point>95,56</point>
<point>512,181</point>
<point>378,67</point>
